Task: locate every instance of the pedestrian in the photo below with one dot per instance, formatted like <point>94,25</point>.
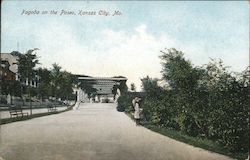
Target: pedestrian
<point>137,111</point>
<point>133,104</point>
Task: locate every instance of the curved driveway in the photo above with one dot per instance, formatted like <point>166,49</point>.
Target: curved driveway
<point>93,132</point>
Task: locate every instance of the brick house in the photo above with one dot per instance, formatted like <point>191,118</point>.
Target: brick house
<point>7,74</point>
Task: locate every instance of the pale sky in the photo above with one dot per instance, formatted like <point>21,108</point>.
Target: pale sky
<point>128,44</point>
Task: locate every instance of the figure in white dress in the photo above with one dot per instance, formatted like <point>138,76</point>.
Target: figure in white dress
<point>137,111</point>
<point>8,99</point>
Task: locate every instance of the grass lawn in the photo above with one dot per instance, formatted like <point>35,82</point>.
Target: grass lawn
<point>194,141</point>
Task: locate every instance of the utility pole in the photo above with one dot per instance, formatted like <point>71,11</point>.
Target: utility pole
<point>18,46</point>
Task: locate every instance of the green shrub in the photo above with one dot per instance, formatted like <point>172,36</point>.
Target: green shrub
<point>207,102</point>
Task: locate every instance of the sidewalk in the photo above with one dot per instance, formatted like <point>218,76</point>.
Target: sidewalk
<point>6,114</point>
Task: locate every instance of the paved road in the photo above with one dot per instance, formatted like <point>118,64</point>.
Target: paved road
<point>93,132</point>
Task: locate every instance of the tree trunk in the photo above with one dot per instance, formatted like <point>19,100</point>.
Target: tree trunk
<point>203,129</point>
<point>30,102</point>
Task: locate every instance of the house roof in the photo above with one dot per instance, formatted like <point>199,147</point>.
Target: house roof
<point>6,70</point>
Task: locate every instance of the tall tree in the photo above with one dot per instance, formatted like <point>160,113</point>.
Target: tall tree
<point>183,78</point>
<point>56,75</point>
<point>44,87</point>
<point>26,68</point>
<point>62,82</point>
<point>151,88</point>
<point>178,71</point>
<point>66,85</point>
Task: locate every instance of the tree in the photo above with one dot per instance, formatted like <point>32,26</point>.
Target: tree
<point>206,101</point>
<point>114,91</point>
<point>227,105</point>
<point>44,87</point>
<point>151,87</point>
<point>132,87</point>
<point>177,71</point>
<point>122,85</point>
<point>56,76</point>
<point>154,95</point>
<point>183,79</point>
<point>56,83</point>
<point>66,85</point>
<point>26,68</point>
<point>87,87</point>
<point>11,87</point>
<point>26,64</point>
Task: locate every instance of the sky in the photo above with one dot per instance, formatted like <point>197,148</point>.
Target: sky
<point>128,43</point>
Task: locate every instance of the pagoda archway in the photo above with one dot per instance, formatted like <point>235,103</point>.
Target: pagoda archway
<point>99,89</point>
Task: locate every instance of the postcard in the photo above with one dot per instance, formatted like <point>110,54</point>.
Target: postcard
<point>124,80</point>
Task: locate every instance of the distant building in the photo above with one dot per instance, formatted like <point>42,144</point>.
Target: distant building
<point>104,88</point>
<point>6,74</point>
<point>12,58</point>
<point>9,61</point>
<point>5,64</point>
